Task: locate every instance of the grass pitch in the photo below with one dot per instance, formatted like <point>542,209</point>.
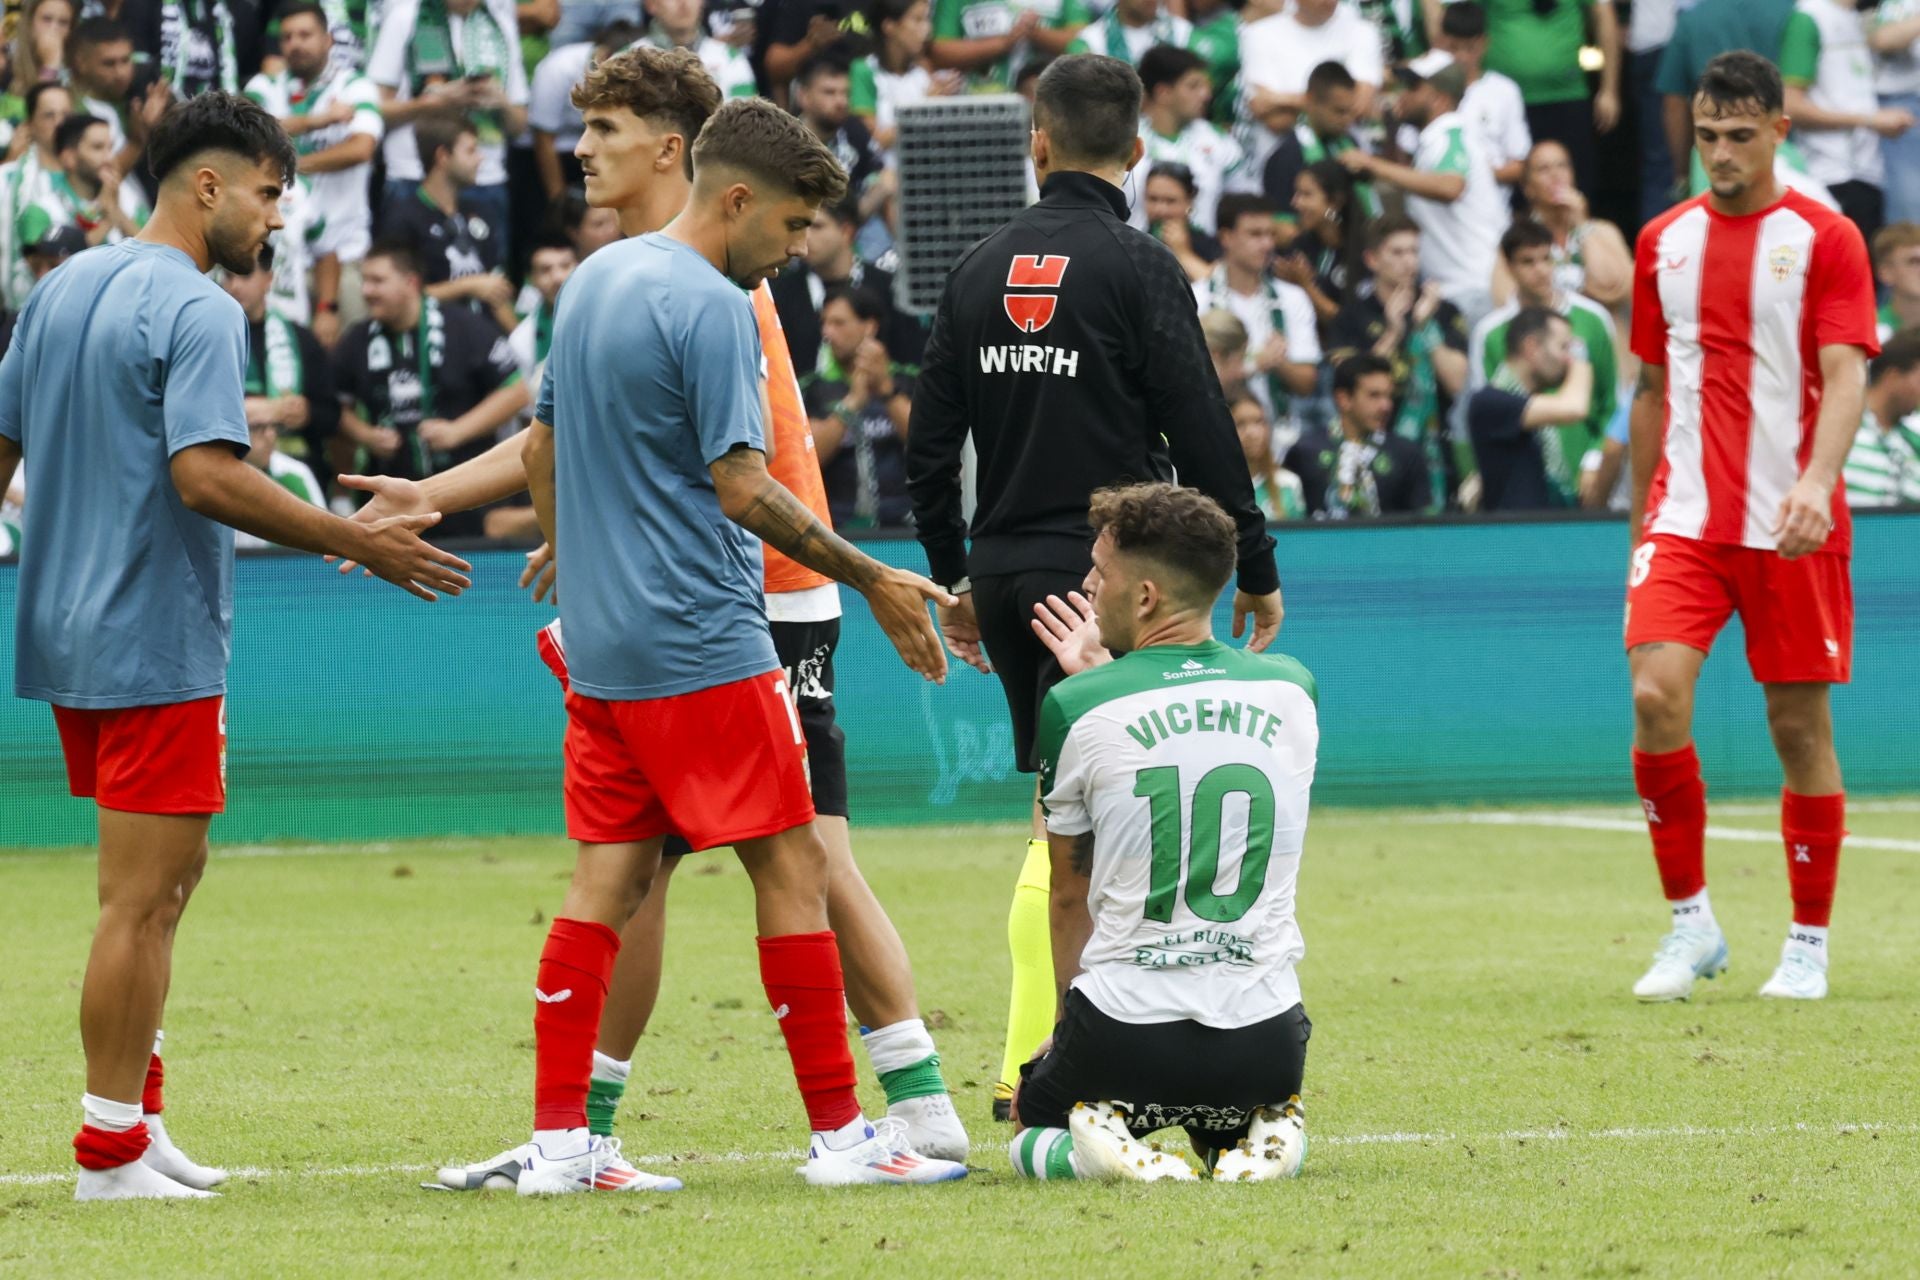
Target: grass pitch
<point>1483,1095</point>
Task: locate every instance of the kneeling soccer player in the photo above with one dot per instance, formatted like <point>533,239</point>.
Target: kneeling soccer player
<point>1175,783</point>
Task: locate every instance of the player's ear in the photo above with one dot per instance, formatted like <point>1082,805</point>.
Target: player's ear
<point>737,198</point>
<point>1782,126</point>
<point>1138,153</point>
<point>672,147</point>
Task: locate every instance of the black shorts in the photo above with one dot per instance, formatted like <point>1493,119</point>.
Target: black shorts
<point>805,650</point>
<point>1003,603</point>
<point>1201,1079</point>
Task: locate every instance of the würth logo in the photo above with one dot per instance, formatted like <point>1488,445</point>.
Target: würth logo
<point>1032,312</point>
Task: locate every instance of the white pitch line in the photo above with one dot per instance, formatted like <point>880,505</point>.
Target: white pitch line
<point>1330,1140</point>
<point>1580,822</point>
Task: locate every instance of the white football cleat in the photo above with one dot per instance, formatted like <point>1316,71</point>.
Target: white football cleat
<point>1799,977</point>
<point>1103,1148</point>
<point>885,1157</point>
<point>163,1156</point>
<point>134,1181</point>
<point>1684,954</point>
<point>1275,1147</point>
<point>498,1174</point>
<point>933,1128</point>
<point>596,1168</point>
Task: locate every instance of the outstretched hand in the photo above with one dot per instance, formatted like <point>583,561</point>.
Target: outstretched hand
<point>899,603</point>
<point>1071,632</point>
<point>392,496</point>
<point>394,552</point>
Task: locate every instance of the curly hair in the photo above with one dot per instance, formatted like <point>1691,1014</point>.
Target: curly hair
<point>666,86</point>
<point>755,137</point>
<point>1180,530</point>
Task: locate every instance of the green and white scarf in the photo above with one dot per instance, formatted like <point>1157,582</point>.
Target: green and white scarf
<point>482,47</point>
<point>430,353</point>
<point>192,14</point>
<point>1218,295</point>
<point>1165,31</point>
<point>278,370</point>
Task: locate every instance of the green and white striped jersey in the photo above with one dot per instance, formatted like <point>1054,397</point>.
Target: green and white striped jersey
<point>1883,467</point>
<point>1191,766</point>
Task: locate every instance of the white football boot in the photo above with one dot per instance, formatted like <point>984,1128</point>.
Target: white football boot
<point>498,1174</point>
<point>1275,1147</point>
<point>933,1128</point>
<point>134,1181</point>
<point>1104,1149</point>
<point>598,1167</point>
<point>884,1157</point>
<point>163,1156</point>
<point>1684,955</point>
<point>1801,976</point>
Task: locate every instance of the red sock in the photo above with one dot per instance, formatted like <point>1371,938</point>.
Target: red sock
<point>156,1077</point>
<point>95,1148</point>
<point>570,993</point>
<point>1675,799</point>
<point>801,972</point>
<point>1812,827</point>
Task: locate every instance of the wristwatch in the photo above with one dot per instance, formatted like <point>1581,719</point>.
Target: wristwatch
<point>961,587</point>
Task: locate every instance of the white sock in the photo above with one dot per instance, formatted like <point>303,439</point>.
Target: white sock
<point>1694,913</point>
<point>851,1134</point>
<point>158,1036</point>
<point>899,1046</point>
<point>104,1113</point>
<point>561,1144</point>
<point>1809,940</point>
<point>611,1070</point>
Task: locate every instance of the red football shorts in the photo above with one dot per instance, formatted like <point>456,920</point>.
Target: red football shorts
<point>1798,613</point>
<point>716,767</point>
<point>170,758</point>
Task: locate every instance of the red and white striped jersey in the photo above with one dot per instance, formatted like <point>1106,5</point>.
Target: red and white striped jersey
<point>1737,310</point>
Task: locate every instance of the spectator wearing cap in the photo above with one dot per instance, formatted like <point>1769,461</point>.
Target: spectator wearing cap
<point>1169,207</point>
<point>1451,191</point>
<point>1278,54</point>
<point>1837,118</point>
<point>1537,43</point>
<point>1590,255</point>
<point>459,260</point>
<point>292,410</point>
<point>831,262</point>
<point>1132,27</point>
<point>1324,131</point>
<point>1893,29</point>
<point>1492,101</point>
<point>859,401</point>
<point>1283,332</point>
<point>1175,130</point>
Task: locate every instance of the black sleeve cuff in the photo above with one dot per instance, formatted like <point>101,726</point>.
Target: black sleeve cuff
<point>946,560</point>
<point>1259,575</point>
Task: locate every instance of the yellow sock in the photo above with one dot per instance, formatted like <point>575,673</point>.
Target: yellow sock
<point>1029,936</point>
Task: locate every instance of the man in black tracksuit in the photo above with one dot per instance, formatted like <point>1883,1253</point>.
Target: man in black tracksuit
<point>1068,347</point>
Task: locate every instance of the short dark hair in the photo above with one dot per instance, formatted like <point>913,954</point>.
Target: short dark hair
<point>218,121</point>
<point>1236,205</point>
<point>1524,233</point>
<point>1899,355</point>
<point>304,9</point>
<point>846,212</point>
<point>1347,374</point>
<point>1181,530</point>
<point>401,253</point>
<point>616,36</point>
<point>1463,20</point>
<point>826,63</point>
<point>865,303</point>
<point>1531,323</point>
<point>1089,105</point>
<point>1174,171</point>
<point>1031,70</point>
<point>1327,77</point>
<point>1741,78</point>
<point>40,90</point>
<point>1165,64</point>
<point>667,86</point>
<point>1387,226</point>
<point>551,240</point>
<point>437,131</point>
<point>758,138</point>
<point>93,32</point>
<point>69,131</point>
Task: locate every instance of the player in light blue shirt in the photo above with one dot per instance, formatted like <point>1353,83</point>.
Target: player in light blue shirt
<point>647,463</point>
<point>124,384</point>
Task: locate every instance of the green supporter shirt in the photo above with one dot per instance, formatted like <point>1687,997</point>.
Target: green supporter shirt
<point>1710,29</point>
<point>1563,446</point>
<point>985,19</point>
<point>1800,50</point>
<point>1218,41</point>
<point>1541,55</point>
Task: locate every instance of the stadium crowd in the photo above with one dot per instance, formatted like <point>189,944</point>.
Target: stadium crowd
<point>1408,223</point>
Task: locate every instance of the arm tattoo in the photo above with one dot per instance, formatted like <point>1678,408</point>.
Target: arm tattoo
<point>1083,855</point>
<point>1652,381</point>
<point>784,523</point>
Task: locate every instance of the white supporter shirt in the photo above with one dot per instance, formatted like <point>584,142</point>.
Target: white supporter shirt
<point>1210,154</point>
<point>339,199</point>
<point>1842,82</point>
<point>1896,73</point>
<point>1191,766</point>
<point>1737,310</point>
<point>1277,53</point>
<point>1298,322</point>
<point>1499,115</point>
<point>550,106</point>
<point>1458,240</point>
